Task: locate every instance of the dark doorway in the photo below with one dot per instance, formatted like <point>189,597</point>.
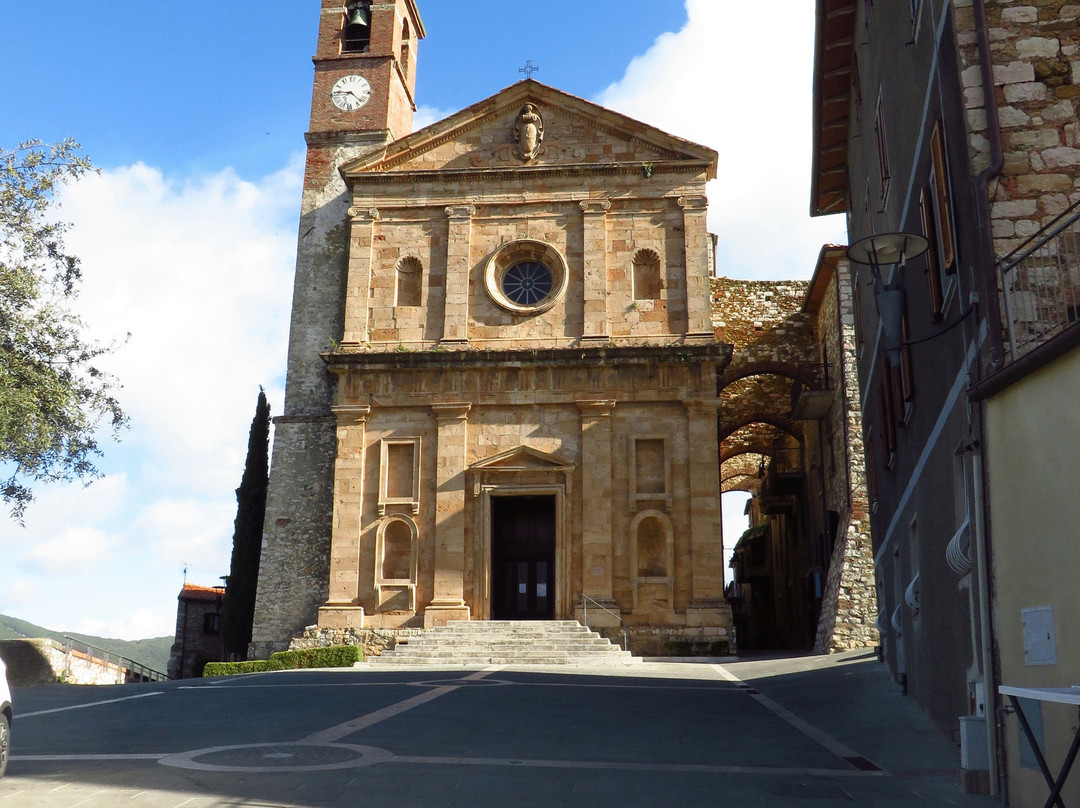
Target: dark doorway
<point>523,558</point>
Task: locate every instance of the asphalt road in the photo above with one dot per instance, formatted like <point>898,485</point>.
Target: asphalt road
<point>812,731</point>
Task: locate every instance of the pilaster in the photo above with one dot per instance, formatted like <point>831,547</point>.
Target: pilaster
<point>458,264</point>
<point>707,606</point>
<point>696,235</point>
<point>594,224</point>
<point>597,552</point>
<point>358,286</point>
<point>341,609</point>
<point>448,602</point>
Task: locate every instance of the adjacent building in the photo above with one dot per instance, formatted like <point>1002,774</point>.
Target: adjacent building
<point>957,122</point>
<point>791,436</point>
<point>198,631</point>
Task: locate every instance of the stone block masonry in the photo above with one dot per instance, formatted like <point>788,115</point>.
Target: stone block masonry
<point>1035,46</point>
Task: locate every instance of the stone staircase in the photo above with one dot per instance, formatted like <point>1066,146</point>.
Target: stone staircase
<point>507,642</point>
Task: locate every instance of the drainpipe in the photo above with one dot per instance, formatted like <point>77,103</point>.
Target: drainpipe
<point>982,565</point>
<point>987,268</point>
<point>987,271</point>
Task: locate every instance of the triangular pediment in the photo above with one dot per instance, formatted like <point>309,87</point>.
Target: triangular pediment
<point>574,132</point>
<point>523,458</point>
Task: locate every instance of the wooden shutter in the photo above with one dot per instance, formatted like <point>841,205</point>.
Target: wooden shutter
<point>942,199</point>
<point>933,270</point>
<point>907,370</point>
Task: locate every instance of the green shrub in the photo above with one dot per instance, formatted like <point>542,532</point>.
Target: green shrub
<point>231,668</point>
<point>336,656</point>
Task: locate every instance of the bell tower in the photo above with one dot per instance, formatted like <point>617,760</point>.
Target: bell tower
<point>365,75</point>
<point>365,68</point>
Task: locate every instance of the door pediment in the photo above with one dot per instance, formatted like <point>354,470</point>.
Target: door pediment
<point>523,458</point>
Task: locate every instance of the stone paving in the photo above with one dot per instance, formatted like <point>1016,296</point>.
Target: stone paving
<point>809,731</point>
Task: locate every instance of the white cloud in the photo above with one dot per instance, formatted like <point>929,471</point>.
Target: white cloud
<point>199,270</point>
<point>74,548</point>
<point>140,624</point>
<point>183,531</point>
<point>200,273</point>
<point>425,116</point>
<point>717,84</point>
<point>15,593</point>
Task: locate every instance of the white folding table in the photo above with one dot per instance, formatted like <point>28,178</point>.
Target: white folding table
<point>1057,695</point>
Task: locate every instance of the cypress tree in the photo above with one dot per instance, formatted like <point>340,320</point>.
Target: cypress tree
<point>238,608</point>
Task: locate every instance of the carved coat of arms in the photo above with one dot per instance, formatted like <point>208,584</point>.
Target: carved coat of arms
<point>528,132</point>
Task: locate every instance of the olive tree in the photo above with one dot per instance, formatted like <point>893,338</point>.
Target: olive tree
<point>54,399</point>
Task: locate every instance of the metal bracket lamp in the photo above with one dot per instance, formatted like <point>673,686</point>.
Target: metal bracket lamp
<point>886,249</point>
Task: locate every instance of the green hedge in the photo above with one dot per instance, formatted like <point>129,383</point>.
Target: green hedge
<point>337,656</point>
<point>230,668</point>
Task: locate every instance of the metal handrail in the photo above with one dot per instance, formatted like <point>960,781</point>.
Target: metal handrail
<point>144,673</point>
<point>1038,239</point>
<point>1040,284</point>
<point>585,600</point>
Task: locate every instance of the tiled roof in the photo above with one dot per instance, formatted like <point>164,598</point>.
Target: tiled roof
<point>192,592</point>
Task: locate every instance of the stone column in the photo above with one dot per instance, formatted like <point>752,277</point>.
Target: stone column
<point>707,605</point>
<point>696,235</point>
<point>458,264</point>
<point>596,489</point>
<point>448,602</point>
<point>594,256</point>
<point>358,285</point>
<point>341,609</point>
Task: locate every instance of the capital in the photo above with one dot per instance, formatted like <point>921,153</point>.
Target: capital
<point>363,215</point>
<point>350,414</point>
<point>595,408</point>
<point>594,205</point>
<point>693,202</point>
<point>451,411</point>
<point>460,211</point>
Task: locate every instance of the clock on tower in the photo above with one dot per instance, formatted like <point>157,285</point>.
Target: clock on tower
<point>365,69</point>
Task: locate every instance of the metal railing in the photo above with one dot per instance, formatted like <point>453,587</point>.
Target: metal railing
<point>1040,284</point>
<point>127,670</point>
<point>808,376</point>
<point>586,600</point>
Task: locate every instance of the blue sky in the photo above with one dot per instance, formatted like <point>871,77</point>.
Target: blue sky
<point>196,115</point>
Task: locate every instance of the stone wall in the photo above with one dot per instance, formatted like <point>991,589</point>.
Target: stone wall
<point>43,661</point>
<point>1035,47</point>
<point>373,640</point>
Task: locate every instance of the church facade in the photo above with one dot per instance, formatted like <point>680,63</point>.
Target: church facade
<point>501,398</point>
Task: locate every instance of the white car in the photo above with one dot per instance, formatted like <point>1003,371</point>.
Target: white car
<point>5,719</point>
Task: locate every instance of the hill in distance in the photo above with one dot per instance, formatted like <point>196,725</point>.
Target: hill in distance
<point>153,653</point>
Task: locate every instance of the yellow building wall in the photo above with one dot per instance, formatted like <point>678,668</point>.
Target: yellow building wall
<point>1033,438</point>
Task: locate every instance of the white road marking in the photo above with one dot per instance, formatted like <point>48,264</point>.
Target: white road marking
<point>77,758</point>
<point>336,733</point>
<point>21,716</point>
<point>685,768</point>
<point>83,802</point>
<point>839,749</point>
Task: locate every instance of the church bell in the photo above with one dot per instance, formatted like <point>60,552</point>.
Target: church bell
<point>358,15</point>
<point>357,28</point>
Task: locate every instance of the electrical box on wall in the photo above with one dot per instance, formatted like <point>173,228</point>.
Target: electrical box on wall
<point>1040,647</point>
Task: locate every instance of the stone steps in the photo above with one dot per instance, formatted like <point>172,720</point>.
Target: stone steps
<point>507,642</point>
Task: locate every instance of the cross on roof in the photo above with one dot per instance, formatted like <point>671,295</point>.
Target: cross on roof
<point>529,69</point>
